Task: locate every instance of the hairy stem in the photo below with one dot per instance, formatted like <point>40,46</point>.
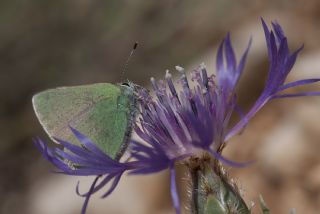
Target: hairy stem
<point>212,192</point>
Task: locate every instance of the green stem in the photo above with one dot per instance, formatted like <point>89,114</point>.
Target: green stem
<point>212,192</point>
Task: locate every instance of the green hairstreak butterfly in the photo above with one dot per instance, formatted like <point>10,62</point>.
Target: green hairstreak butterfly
<point>103,112</point>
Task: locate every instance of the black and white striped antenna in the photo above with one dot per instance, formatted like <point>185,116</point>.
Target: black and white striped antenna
<point>125,66</point>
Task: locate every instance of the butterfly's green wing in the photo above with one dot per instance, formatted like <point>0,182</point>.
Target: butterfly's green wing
<point>103,112</point>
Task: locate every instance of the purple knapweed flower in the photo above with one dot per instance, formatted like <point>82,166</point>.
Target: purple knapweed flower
<point>177,124</point>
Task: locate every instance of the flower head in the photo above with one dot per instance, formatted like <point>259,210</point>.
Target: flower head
<point>179,123</point>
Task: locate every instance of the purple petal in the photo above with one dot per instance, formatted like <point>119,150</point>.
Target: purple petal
<point>78,190</point>
<point>113,186</point>
<point>83,152</point>
<point>85,204</point>
<point>239,110</point>
<point>296,95</point>
<point>231,58</point>
<point>243,60</point>
<point>104,182</point>
<point>170,84</point>
<point>74,148</point>
<point>278,30</point>
<point>87,142</point>
<point>267,35</point>
<point>154,168</point>
<point>292,59</point>
<point>85,172</point>
<point>283,50</point>
<point>174,190</point>
<point>273,50</point>
<point>49,156</point>
<point>297,83</point>
<point>229,162</point>
<point>219,59</point>
<point>243,122</point>
<point>77,159</point>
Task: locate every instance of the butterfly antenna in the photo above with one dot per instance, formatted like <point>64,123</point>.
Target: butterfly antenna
<point>128,60</point>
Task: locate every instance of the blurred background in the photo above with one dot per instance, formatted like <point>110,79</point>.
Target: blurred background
<point>45,44</point>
